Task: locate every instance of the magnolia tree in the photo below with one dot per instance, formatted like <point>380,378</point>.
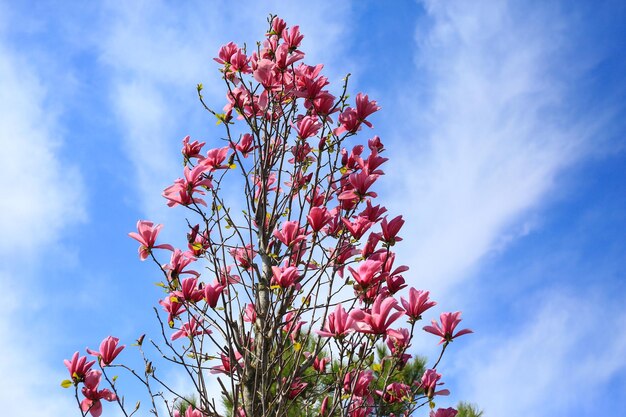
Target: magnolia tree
<point>288,288</point>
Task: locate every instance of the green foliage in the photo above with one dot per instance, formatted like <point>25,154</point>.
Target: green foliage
<point>468,410</point>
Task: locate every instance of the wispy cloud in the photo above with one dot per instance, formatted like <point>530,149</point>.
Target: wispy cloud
<point>488,128</point>
<point>42,195</point>
<point>558,363</point>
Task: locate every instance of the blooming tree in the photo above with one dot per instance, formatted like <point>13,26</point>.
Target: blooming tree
<point>288,287</point>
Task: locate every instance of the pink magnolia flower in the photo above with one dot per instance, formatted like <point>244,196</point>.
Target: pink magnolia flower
<point>173,307</point>
<point>449,321</point>
<point>417,303</point>
<point>198,242</point>
<point>266,74</point>
<point>189,290</point>
<point>108,350</point>
<point>307,126</point>
<point>391,229</point>
<point>91,402</point>
<point>290,233</point>
<point>324,406</point>
<point>278,25</point>
<point>338,324</point>
<point>380,318</point>
<point>190,412</point>
<point>215,158</point>
<point>244,256</point>
<point>78,366</point>
<point>319,364</point>
<point>225,52</point>
<point>358,385</point>
<point>396,392</point>
<point>367,273</point>
<point>318,217</point>
<point>147,235</point>
<point>285,276</point>
<point>178,262</point>
<point>245,145</point>
<point>183,190</point>
<point>212,293</point>
<point>296,387</point>
<point>360,182</point>
<point>398,341</point>
<point>365,107</point>
<point>361,407</point>
<point>373,213</point>
<point>293,37</point>
<point>249,314</point>
<point>444,412</point>
<point>227,367</point>
<point>357,228</point>
<point>226,278</point>
<point>293,324</point>
<point>429,383</point>
<point>192,150</point>
<point>191,329</point>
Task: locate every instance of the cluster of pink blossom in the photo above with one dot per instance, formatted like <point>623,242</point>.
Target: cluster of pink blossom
<point>81,372</point>
<point>303,285</point>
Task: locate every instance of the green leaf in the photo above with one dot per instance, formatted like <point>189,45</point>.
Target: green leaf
<point>66,383</point>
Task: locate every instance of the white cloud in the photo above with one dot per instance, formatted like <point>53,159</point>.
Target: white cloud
<point>558,363</point>
<point>488,129</point>
<point>41,196</point>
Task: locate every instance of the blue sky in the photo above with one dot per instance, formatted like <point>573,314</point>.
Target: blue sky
<point>505,125</point>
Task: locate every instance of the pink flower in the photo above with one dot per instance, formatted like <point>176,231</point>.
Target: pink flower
<point>396,392</point>
<point>391,229</point>
<point>380,318</point>
<point>418,303</point>
<point>226,52</point>
<point>147,235</point>
<point>192,150</point>
<point>189,291</point>
<point>296,388</point>
<point>338,324</point>
<point>444,412</point>
<point>278,25</point>
<point>244,256</point>
<point>245,145</point>
<point>285,277</point>
<point>226,367</point>
<point>429,383</point>
<point>178,262</point>
<point>307,126</point>
<point>191,329</point>
<point>358,187</point>
<point>78,367</point>
<point>212,293</point>
<point>367,273</point>
<point>449,321</point>
<point>359,385</point>
<point>293,37</point>
<point>365,107</point>
<point>173,307</point>
<point>290,233</point>
<point>318,217</point>
<point>91,402</point>
<point>358,228</point>
<point>183,190</point>
<point>215,158</point>
<point>108,350</point>
<point>398,341</point>
<point>249,314</point>
<point>293,324</point>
